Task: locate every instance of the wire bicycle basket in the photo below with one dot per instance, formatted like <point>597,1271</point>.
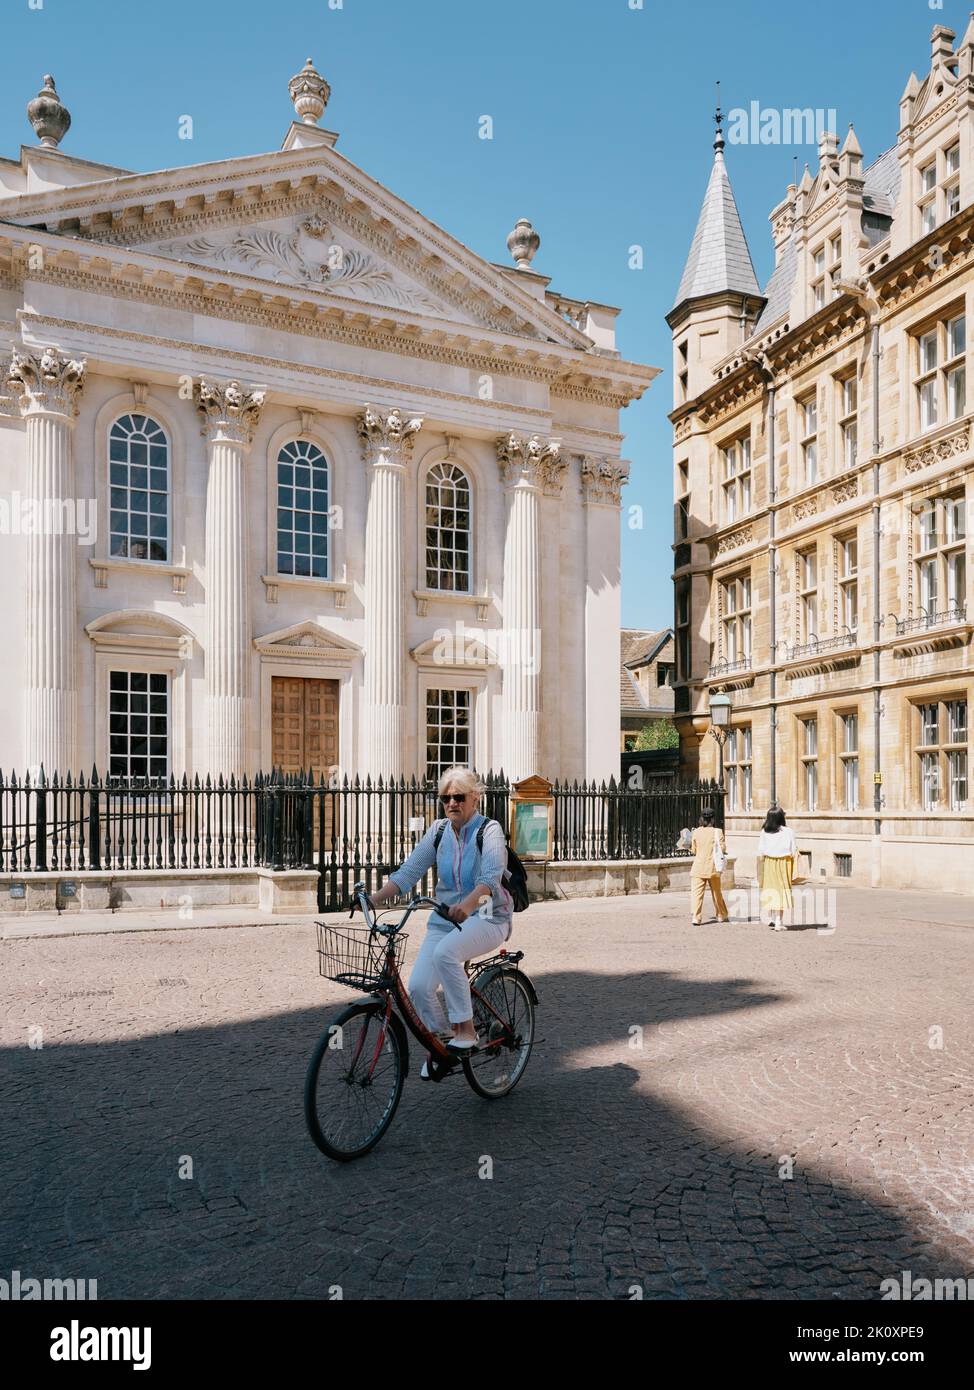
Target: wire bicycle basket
<point>356,956</point>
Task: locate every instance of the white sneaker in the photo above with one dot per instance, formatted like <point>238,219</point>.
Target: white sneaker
<point>424,1072</point>
<point>462,1044</point>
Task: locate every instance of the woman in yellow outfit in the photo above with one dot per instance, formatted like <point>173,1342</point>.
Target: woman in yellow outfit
<point>703,871</point>
<point>777,852</point>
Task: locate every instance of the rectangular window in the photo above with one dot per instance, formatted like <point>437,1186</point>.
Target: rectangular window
<point>808,413</point>
<point>447,730</point>
<point>941,560</point>
<point>940,383</point>
<point>737,478</point>
<point>808,596</point>
<point>848,408</point>
<point>683,629</point>
<point>818,278</point>
<point>809,744</point>
<point>849,758</point>
<point>138,725</point>
<point>849,582</point>
<point>736,627</point>
<point>942,754</point>
<point>737,767</point>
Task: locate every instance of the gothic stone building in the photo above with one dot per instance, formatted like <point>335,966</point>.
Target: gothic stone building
<point>824,474</point>
<point>277,455</point>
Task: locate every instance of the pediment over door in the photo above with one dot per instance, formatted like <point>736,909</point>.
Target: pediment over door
<point>307,641</point>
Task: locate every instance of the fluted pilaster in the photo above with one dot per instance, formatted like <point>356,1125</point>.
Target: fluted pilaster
<point>529,467</point>
<point>48,386</point>
<point>230,415</point>
<point>387,444</point>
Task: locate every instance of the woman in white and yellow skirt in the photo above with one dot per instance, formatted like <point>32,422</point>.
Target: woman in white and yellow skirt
<point>777,852</point>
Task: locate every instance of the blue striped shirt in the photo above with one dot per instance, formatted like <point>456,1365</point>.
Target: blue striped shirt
<point>460,866</point>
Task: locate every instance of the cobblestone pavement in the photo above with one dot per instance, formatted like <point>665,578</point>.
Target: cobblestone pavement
<point>656,1160</point>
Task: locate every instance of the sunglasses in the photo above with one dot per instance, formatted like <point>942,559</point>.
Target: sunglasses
<point>458,797</point>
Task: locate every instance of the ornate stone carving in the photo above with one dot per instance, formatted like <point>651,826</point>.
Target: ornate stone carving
<point>46,381</point>
<point>807,507</point>
<point>229,411</point>
<point>844,492</point>
<point>946,447</point>
<point>735,540</point>
<point>534,460</point>
<point>603,480</point>
<point>49,117</point>
<point>387,439</point>
<point>310,92</point>
<point>307,256</point>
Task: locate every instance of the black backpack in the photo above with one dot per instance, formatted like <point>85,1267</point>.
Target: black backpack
<point>515,879</point>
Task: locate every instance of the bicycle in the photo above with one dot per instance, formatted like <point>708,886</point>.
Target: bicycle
<point>358,1068</point>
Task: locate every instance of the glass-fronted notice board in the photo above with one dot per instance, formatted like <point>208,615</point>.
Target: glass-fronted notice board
<point>532,818</point>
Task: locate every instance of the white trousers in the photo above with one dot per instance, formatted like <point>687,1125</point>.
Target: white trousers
<point>440,962</point>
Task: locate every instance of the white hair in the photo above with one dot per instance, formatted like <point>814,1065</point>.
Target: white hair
<point>463,780</point>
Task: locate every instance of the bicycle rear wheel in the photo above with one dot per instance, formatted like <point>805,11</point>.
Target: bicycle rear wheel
<point>354,1081</point>
<point>503,1011</point>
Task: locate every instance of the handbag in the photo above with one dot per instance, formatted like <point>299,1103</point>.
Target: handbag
<point>720,858</point>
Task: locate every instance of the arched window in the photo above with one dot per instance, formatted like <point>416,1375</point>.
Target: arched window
<point>302,510</point>
<point>448,528</point>
<point>138,463</point>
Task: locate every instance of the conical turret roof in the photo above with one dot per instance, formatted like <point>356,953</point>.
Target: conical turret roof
<point>719,257</point>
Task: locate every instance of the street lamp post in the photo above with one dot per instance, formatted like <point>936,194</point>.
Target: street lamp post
<point>720,712</point>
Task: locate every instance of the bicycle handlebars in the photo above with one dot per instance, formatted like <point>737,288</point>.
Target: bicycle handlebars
<point>362,900</point>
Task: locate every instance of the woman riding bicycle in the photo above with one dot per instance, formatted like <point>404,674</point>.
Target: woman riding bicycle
<point>470,884</point>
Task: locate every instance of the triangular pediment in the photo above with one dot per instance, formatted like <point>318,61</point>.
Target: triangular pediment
<point>307,639</point>
<point>448,650</point>
<point>308,251</point>
<point>298,219</point>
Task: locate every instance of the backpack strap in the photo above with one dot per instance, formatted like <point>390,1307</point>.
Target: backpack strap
<point>439,836</point>
<point>480,833</point>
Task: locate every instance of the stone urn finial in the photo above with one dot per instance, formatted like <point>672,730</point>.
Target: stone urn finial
<point>523,243</point>
<point>309,92</point>
<point>48,116</point>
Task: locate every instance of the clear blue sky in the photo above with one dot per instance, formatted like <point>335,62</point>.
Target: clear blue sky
<point>602,130</point>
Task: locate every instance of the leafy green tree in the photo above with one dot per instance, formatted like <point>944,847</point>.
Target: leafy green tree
<point>662,733</point>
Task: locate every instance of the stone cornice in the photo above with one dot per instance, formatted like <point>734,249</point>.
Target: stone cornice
<point>309,312</point>
<point>387,440</point>
<point>230,412</point>
<point>300,375</point>
<point>534,461</point>
<point>46,382</point>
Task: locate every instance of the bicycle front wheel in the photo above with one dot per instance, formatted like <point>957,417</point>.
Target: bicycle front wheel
<point>503,1010</point>
<point>354,1081</point>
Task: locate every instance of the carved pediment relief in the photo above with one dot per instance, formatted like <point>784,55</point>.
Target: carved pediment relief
<point>307,640</point>
<point>306,251</point>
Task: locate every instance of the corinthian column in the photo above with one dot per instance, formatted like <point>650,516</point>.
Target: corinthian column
<point>528,468</point>
<point>387,446</point>
<point>48,386</point>
<point>230,415</point>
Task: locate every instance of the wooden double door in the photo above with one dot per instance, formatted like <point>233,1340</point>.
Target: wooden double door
<point>304,725</point>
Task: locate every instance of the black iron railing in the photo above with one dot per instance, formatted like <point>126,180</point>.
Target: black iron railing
<point>949,616</point>
<point>347,831</point>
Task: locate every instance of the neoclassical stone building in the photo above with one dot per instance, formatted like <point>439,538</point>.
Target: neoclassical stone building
<point>289,476</point>
<point>823,476</point>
